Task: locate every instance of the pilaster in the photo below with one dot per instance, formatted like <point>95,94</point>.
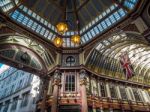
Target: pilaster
<point>19,103</point>
<point>83,82</point>
<point>45,89</point>
<point>108,90</point>
<point>118,91</point>
<point>56,84</point>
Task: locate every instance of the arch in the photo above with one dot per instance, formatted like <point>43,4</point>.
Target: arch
<point>106,55</point>
<point>40,59</point>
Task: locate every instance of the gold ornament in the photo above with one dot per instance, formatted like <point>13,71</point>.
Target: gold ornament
<point>58,41</point>
<point>76,39</point>
<point>62,27</point>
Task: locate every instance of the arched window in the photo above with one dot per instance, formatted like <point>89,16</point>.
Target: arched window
<point>136,94</point>
<point>103,90</point>
<point>113,91</point>
<point>123,93</point>
<point>70,61</point>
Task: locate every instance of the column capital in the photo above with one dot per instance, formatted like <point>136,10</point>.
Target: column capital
<point>83,82</point>
<point>57,77</point>
<point>83,77</point>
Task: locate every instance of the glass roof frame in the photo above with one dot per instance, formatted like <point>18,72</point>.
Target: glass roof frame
<point>42,27</point>
<point>134,44</point>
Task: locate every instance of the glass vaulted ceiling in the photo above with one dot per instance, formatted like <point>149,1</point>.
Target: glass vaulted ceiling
<point>105,57</point>
<point>30,20</point>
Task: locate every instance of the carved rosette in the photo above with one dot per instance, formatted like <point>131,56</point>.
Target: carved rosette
<point>83,77</point>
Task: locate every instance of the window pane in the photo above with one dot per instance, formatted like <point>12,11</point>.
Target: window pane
<point>70,83</point>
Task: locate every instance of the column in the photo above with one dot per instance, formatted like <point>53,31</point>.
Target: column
<point>145,96</point>
<point>45,89</point>
<point>30,105</point>
<point>110,110</point>
<point>94,109</point>
<point>83,82</point>
<point>49,88</point>
<point>2,108</point>
<point>10,104</point>
<point>101,109</point>
<point>118,92</point>
<point>109,95</point>
<point>108,90</point>
<point>19,103</point>
<point>56,84</point>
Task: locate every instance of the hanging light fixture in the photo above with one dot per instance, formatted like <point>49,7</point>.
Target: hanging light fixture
<point>76,38</point>
<point>62,27</point>
<point>58,41</point>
